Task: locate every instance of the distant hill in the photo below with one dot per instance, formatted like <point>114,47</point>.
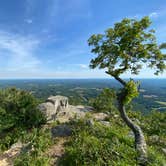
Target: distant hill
<point>152,92</point>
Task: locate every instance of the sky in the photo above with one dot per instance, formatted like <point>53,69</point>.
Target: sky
<point>48,38</point>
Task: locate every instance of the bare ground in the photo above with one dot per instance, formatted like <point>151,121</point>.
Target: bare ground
<point>56,151</point>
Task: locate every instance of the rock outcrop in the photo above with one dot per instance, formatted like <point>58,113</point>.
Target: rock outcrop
<point>57,108</point>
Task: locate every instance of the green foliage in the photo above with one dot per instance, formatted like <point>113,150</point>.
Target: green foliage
<point>156,158</point>
<point>130,91</point>
<point>28,160</point>
<point>40,140</point>
<point>18,112</point>
<point>98,145</point>
<point>102,145</point>
<point>19,108</point>
<point>105,101</point>
<point>155,123</point>
<point>126,47</point>
<point>163,46</point>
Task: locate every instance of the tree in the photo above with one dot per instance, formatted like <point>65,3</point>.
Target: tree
<point>128,46</point>
<point>105,101</point>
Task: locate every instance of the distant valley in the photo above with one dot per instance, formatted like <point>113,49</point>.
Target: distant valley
<point>80,91</point>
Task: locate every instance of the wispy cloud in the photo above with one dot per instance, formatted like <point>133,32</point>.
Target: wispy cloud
<point>83,66</point>
<point>19,51</point>
<point>28,21</point>
<point>154,14</point>
<point>158,13</point>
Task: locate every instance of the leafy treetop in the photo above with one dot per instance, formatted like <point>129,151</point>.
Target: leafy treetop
<point>126,47</point>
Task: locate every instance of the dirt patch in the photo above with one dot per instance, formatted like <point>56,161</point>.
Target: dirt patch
<point>56,151</point>
<point>7,158</point>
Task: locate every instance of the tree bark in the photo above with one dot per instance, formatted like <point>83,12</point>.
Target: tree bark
<point>140,143</point>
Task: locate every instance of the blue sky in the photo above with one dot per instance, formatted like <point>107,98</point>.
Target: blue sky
<point>48,38</point>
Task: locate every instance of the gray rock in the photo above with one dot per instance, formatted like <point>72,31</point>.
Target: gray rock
<point>100,116</point>
<point>61,131</point>
<point>105,123</point>
<point>59,102</point>
<point>52,106</point>
<point>164,150</point>
<point>154,138</point>
<point>48,109</point>
<point>57,108</point>
<point>89,122</point>
<point>18,144</point>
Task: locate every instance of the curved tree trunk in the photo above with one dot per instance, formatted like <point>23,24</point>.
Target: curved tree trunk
<point>140,143</point>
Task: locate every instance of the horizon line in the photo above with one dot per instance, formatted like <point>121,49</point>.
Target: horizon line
<point>73,78</point>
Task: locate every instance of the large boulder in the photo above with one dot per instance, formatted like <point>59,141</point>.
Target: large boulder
<point>61,131</point>
<point>52,106</point>
<point>57,108</point>
<point>59,102</point>
<point>71,112</point>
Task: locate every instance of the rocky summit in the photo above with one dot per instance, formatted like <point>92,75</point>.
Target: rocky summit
<point>57,108</point>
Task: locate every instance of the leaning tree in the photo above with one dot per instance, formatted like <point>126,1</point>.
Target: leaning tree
<point>127,47</point>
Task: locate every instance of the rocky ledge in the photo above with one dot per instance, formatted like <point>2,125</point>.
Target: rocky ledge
<point>57,108</point>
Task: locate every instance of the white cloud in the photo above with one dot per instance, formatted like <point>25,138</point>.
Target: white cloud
<point>83,66</point>
<point>28,21</point>
<point>158,13</point>
<point>19,52</point>
<point>154,15</point>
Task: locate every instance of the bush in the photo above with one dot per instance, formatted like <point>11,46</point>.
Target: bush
<point>105,101</point>
<point>18,112</point>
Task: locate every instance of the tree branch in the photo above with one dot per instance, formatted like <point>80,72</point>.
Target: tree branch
<point>117,78</point>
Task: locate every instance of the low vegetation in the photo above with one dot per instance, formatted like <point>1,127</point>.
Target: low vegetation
<point>39,140</point>
<point>18,113</point>
<point>113,145</point>
<point>90,144</point>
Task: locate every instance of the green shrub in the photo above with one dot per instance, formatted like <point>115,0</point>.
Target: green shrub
<point>19,108</point>
<point>105,101</point>
<point>18,112</point>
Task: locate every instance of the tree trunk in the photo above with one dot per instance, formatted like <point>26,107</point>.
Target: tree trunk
<point>140,143</point>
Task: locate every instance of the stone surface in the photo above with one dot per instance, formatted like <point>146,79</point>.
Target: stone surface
<point>57,108</point>
<point>100,116</point>
<point>72,112</point>
<point>90,122</point>
<point>59,102</point>
<point>164,150</point>
<point>52,106</point>
<point>48,109</point>
<point>105,123</point>
<point>154,138</point>
<point>7,157</point>
<point>61,131</point>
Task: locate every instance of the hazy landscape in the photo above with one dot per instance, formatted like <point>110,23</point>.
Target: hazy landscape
<point>80,91</point>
